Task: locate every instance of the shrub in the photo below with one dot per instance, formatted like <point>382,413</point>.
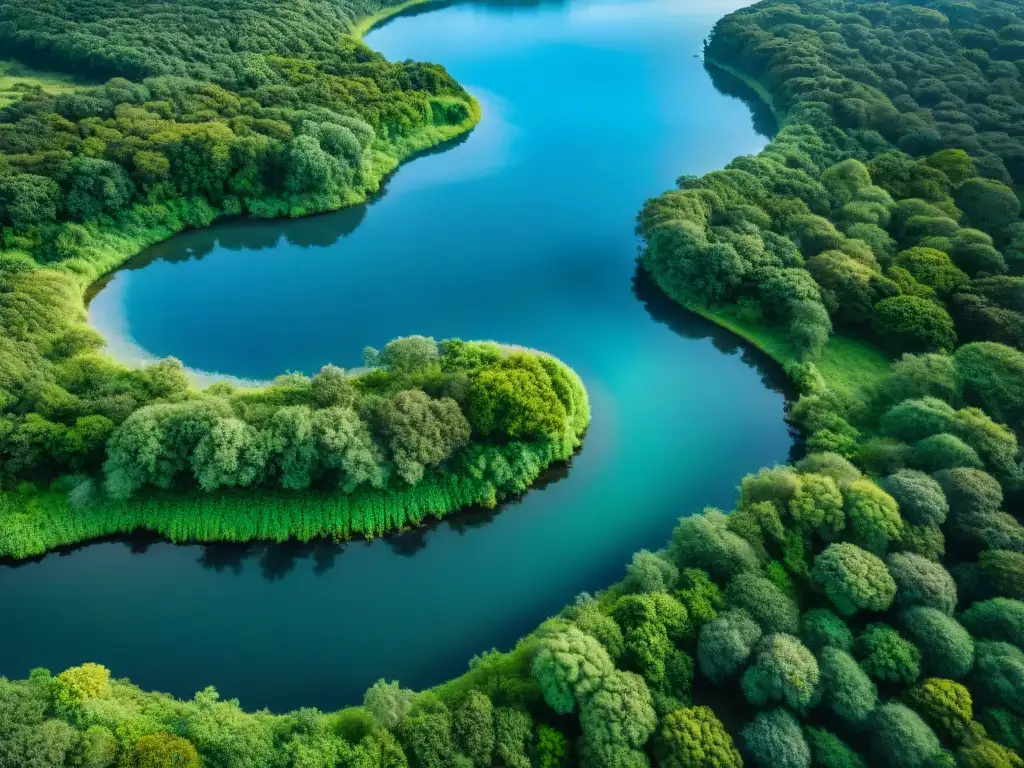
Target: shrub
<point>783,670</point>
<point>772,610</point>
<point>1000,618</point>
<point>845,687</point>
<point>831,464</point>
<point>900,737</point>
<point>920,498</point>
<point>725,644</point>
<point>703,541</point>
<point>853,579</point>
<point>921,582</point>
<point>886,656</point>
<point>695,738</point>
<point>774,740</point>
<point>820,628</point>
<point>914,420</point>
<point>945,705</point>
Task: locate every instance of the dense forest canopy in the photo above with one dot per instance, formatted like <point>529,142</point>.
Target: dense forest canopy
<point>861,607</point>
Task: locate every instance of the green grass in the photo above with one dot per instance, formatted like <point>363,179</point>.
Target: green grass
<point>849,366</point>
<point>16,79</point>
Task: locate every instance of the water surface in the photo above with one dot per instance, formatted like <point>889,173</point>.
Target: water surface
<point>522,232</point>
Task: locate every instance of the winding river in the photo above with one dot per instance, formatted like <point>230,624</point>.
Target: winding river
<point>520,232</point>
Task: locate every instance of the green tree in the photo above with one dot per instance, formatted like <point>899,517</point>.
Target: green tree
<point>725,644</point>
<point>695,738</point>
<point>900,737</point>
<point>920,498</point>
<point>874,517</point>
<point>999,618</point>
<point>774,740</point>
<point>845,687</point>
<point>945,705</point>
<point>913,324</point>
<point>784,670</point>
<point>947,649</point>
<point>569,666</point>
<point>820,628</point>
<point>921,582</point>
<point>473,728</point>
<point>853,579</point>
<point>887,656</point>
<point>165,750</point>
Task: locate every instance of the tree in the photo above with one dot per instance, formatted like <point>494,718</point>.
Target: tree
<point>943,451</point>
<point>695,738</point>
<point>853,579</point>
<point>833,465</point>
<point>818,506</point>
<point>999,618</point>
<point>513,734</point>
<point>473,728</point>
<point>945,705</point>
<point>426,735</point>
<point>552,747</point>
<point>230,454</point>
<point>163,750</point>
<point>918,376</point>
<point>971,492</point>
<point>649,572</point>
<point>845,687</point>
<point>725,644</point>
<point>1004,570</point>
<point>829,751</point>
<point>947,649</point>
<point>820,628</point>
<point>764,602</point>
<point>900,737</point>
<point>886,656</point>
<point>989,205</point>
<point>28,200</point>
<point>932,268</point>
<point>993,376</point>
<point>874,517</point>
<point>913,420</point>
<point>97,187</point>
<point>516,400</point>
<point>422,432</point>
<point>569,666</point>
<point>704,541</point>
<point>998,677</point>
<point>388,703</point>
<point>78,684</point>
<point>921,582</point>
<point>784,670</point>
<point>589,618</point>
<point>920,498</point>
<point>774,740</point>
<point>619,714</point>
<point>409,354</point>
<point>913,324</point>
<point>699,595</point>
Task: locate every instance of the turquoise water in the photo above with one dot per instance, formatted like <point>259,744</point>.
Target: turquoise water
<point>521,232</point>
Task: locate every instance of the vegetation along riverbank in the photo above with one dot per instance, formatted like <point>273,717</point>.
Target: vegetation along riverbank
<point>860,607</point>
<point>92,173</point>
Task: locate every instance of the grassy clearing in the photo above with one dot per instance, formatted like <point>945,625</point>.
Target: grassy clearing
<point>849,366</point>
<point>16,80</point>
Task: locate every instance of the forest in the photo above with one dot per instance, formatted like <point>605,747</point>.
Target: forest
<point>862,606</point>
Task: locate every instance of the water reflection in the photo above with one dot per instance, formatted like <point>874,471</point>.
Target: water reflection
<point>761,115</point>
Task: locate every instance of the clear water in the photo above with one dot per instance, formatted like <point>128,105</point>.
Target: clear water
<point>522,232</point>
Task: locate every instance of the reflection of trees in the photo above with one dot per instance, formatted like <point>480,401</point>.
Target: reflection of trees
<point>690,326</point>
<point>509,6</point>
<point>761,114</point>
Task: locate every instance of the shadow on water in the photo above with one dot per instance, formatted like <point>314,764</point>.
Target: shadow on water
<point>509,6</point>
<point>242,233</point>
<point>761,115</point>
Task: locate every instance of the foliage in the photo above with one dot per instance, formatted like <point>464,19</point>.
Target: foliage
<point>900,737</point>
<point>887,656</point>
<point>774,739</point>
<point>947,649</point>
<point>921,582</point>
<point>945,705</point>
<point>845,687</point>
<point>694,738</point>
<point>853,579</point>
<point>820,628</point>
<point>783,670</point>
<point>725,644</point>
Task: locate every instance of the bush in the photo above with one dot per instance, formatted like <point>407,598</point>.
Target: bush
<point>874,517</point>
<point>774,740</point>
<point>725,644</point>
<point>945,705</point>
<point>947,649</point>
<point>1004,571</point>
<point>900,737</point>
<point>920,498</point>
<point>820,628</point>
<point>1000,618</point>
<point>773,611</point>
<point>886,656</point>
<point>695,738</point>
<point>922,582</point>
<point>913,324</point>
<point>783,670</point>
<point>845,687</point>
<point>853,579</point>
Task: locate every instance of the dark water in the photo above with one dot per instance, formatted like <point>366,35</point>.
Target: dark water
<point>521,233</point>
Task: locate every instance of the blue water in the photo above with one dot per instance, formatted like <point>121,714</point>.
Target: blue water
<point>523,233</point>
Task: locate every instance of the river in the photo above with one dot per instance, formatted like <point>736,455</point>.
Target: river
<point>521,232</point>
